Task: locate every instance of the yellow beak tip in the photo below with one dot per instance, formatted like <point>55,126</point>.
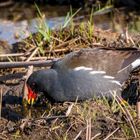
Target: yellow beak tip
<point>32,101</point>
<point>29,101</point>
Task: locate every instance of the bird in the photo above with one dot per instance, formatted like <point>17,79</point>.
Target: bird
<point>84,74</point>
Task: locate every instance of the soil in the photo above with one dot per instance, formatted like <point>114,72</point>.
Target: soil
<point>92,119</point>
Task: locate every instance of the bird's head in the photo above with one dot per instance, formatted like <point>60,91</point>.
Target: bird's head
<point>32,92</point>
<point>39,83</point>
<point>34,85</point>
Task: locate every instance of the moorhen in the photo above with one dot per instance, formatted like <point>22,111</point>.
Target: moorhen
<point>88,73</point>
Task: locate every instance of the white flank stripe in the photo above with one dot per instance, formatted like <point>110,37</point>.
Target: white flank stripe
<point>108,77</point>
<point>97,72</point>
<point>136,63</point>
<point>82,68</point>
<point>116,82</point>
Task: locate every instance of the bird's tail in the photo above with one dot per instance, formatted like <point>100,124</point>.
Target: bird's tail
<point>135,64</point>
<point>124,73</point>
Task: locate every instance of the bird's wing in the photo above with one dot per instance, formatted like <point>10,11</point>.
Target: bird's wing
<point>109,60</point>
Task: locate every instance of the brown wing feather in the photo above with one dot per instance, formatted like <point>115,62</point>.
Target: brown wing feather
<point>109,60</point>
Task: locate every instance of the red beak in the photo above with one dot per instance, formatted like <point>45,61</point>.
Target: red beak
<point>31,96</point>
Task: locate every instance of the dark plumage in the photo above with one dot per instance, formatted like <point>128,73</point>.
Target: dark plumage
<point>85,74</point>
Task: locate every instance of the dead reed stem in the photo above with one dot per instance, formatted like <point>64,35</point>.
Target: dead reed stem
<point>0,101</point>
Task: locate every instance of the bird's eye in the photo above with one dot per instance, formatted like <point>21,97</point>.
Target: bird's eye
<point>33,84</point>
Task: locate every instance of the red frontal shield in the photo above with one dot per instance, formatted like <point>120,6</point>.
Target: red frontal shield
<point>31,96</point>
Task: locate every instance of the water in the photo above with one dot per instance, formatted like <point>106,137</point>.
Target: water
<point>9,30</point>
<point>13,32</point>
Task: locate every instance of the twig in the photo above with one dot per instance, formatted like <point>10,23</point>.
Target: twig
<point>121,138</point>
<point>38,58</point>
<point>26,64</point>
<point>111,119</point>
<point>58,50</point>
<point>32,54</point>
<point>56,39</point>
<point>13,54</point>
<point>88,130</point>
<point>98,134</point>
<point>112,133</point>
<point>17,54</point>
<point>42,58</point>
<point>43,114</point>
<point>64,44</point>
<point>138,110</point>
<point>69,109</point>
<point>130,38</point>
<point>78,135</point>
<point>97,44</point>
<point>7,3</point>
<point>0,101</point>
